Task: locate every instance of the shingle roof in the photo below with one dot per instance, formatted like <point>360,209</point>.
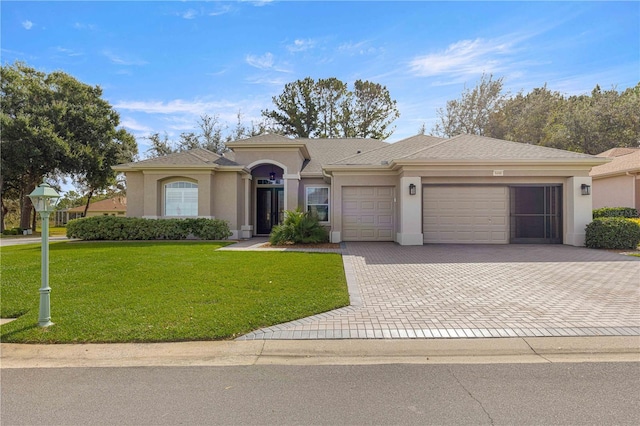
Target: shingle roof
<point>617,152</point>
<point>461,147</point>
<point>194,157</point>
<point>321,151</point>
<point>619,165</point>
<point>117,204</point>
<point>388,152</point>
<point>473,147</point>
<point>327,151</point>
<point>268,138</point>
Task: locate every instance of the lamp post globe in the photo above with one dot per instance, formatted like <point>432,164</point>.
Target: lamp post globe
<point>44,199</point>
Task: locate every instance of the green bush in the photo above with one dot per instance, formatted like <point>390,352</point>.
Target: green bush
<point>615,212</point>
<point>298,228</point>
<point>613,233</point>
<point>114,228</point>
<point>12,231</point>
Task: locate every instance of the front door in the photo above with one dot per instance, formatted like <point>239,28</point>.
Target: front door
<point>270,209</point>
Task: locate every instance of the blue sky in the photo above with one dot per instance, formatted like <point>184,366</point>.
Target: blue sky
<point>163,64</point>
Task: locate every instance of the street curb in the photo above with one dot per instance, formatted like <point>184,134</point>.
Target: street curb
<point>325,352</point>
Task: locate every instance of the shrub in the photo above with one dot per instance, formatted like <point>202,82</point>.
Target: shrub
<point>613,233</point>
<point>298,228</point>
<point>12,231</point>
<point>615,212</point>
<point>114,228</point>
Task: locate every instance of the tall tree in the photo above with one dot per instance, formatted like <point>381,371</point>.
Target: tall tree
<point>160,145</point>
<point>589,123</point>
<point>471,113</point>
<point>330,93</point>
<point>296,111</point>
<point>527,117</point>
<point>374,110</point>
<point>327,109</point>
<point>54,124</point>
<point>211,133</point>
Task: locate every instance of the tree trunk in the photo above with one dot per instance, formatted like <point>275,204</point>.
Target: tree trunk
<point>86,207</point>
<point>25,205</point>
<point>3,209</point>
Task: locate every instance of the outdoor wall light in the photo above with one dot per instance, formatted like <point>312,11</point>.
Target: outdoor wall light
<point>272,176</point>
<point>44,199</point>
<point>412,189</point>
<point>586,189</point>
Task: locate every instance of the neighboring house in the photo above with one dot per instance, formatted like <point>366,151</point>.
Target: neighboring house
<point>617,184</point>
<point>423,189</point>
<point>116,206</point>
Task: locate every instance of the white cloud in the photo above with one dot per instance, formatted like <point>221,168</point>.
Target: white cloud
<point>81,26</point>
<point>188,14</point>
<point>27,25</point>
<point>300,45</point>
<point>466,57</point>
<point>359,48</point>
<point>177,106</point>
<point>133,125</point>
<point>263,62</point>
<point>68,52</point>
<point>122,60</point>
<point>221,10</point>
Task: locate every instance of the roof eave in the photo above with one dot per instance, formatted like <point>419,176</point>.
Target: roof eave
<point>585,162</point>
<point>632,171</point>
<point>270,145</point>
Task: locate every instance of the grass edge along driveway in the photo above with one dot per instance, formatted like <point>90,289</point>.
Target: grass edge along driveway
<point>105,292</point>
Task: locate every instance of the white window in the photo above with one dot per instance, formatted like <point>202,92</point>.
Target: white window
<point>181,199</point>
<point>317,202</point>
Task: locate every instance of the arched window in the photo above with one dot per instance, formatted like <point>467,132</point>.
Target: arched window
<point>181,199</point>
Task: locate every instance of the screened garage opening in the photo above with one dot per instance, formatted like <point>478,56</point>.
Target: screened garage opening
<point>536,214</point>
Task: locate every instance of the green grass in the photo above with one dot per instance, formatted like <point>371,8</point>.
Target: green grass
<point>162,291</point>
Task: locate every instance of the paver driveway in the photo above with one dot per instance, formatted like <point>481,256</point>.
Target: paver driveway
<point>450,291</point>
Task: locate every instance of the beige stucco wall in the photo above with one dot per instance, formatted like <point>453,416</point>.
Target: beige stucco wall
<point>135,194</point>
<point>614,191</point>
<point>290,159</point>
<point>220,194</point>
<point>227,199</point>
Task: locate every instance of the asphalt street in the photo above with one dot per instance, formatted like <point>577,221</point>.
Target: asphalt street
<point>557,393</point>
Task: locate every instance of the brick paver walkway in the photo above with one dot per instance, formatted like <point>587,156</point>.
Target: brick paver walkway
<point>452,291</point>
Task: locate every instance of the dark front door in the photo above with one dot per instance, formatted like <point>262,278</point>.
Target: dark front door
<point>270,209</point>
<point>536,214</point>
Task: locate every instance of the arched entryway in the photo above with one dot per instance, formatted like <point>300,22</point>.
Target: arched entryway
<point>269,199</point>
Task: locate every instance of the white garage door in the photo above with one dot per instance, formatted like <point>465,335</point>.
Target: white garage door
<point>367,213</point>
<point>471,215</point>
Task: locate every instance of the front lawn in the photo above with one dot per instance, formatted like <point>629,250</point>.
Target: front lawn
<point>162,291</point>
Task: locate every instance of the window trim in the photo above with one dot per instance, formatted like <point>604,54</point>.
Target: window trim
<point>328,204</point>
<point>165,184</point>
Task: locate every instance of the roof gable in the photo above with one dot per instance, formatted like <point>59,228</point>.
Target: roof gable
<point>191,158</point>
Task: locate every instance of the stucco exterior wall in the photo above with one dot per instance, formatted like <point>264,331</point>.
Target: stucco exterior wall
<point>227,199</point>
<point>614,191</point>
<point>135,194</point>
<point>291,159</point>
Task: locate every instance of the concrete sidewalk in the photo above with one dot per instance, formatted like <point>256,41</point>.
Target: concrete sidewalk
<point>325,352</point>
